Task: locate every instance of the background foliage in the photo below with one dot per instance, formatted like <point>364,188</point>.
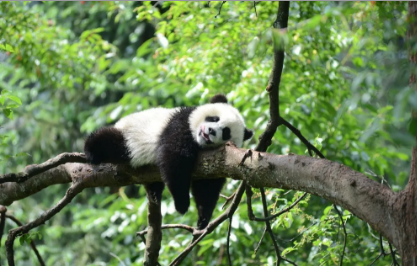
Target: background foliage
<point>68,68</point>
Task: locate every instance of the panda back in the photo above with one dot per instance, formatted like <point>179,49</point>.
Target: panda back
<point>142,131</point>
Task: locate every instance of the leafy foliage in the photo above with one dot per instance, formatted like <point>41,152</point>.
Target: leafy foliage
<point>68,68</point>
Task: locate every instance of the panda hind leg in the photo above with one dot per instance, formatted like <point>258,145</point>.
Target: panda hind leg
<point>206,193</point>
<point>106,145</point>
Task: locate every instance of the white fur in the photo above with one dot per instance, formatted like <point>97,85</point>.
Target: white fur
<point>229,117</point>
<point>141,131</point>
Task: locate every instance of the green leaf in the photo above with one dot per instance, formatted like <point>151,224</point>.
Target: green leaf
<point>6,47</point>
<point>8,113</point>
<point>14,98</point>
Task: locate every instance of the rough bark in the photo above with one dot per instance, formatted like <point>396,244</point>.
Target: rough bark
<point>154,237</point>
<point>406,203</point>
<point>372,202</point>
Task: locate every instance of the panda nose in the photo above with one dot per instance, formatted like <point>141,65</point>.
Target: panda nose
<point>212,132</point>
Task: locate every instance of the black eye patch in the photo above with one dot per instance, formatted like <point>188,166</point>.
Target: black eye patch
<point>226,133</point>
<point>212,119</point>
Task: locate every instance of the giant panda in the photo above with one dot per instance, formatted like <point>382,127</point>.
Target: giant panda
<point>171,139</point>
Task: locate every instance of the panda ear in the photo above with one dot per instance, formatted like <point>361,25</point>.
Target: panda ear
<point>248,134</point>
<point>218,98</point>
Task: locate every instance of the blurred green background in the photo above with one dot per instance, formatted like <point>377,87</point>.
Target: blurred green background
<point>67,68</point>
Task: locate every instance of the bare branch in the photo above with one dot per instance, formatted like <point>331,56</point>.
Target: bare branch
<point>32,170</point>
<point>345,234</point>
<point>268,227</point>
<point>229,230</point>
<point>394,261</point>
<point>302,138</point>
<point>171,226</point>
<point>70,194</point>
<point>252,217</point>
<point>260,241</point>
<point>32,243</point>
<point>220,9</point>
<point>228,199</point>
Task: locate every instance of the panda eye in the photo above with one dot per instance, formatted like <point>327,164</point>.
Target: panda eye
<point>212,119</point>
<point>226,133</point>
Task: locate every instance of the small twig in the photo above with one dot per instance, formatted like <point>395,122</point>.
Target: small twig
<point>117,257</point>
<point>228,199</point>
<point>345,234</point>
<point>74,190</point>
<point>268,227</point>
<point>377,258</point>
<point>254,6</point>
<point>260,241</point>
<point>229,230</point>
<point>382,253</point>
<point>394,261</point>
<point>381,245</point>
<point>220,9</point>
<point>32,170</point>
<point>187,250</point>
<point>169,226</point>
<point>252,217</point>
<point>301,137</point>
<point>32,243</point>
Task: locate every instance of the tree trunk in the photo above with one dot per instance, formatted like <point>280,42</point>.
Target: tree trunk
<point>406,216</point>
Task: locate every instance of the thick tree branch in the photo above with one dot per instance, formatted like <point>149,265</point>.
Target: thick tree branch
<point>367,199</point>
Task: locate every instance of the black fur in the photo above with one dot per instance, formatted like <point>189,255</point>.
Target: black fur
<point>106,145</point>
<point>218,98</point>
<point>176,156</point>
<point>206,193</point>
<point>226,133</point>
<point>248,134</point>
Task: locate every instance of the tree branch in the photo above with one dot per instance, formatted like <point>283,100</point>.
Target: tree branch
<point>252,217</point>
<point>190,229</point>
<point>154,237</point>
<point>32,243</point>
<point>332,181</point>
<point>71,193</point>
<point>229,230</point>
<point>3,211</point>
<point>268,227</point>
<point>32,170</point>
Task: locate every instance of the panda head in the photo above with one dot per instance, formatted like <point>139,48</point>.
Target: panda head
<point>218,122</point>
